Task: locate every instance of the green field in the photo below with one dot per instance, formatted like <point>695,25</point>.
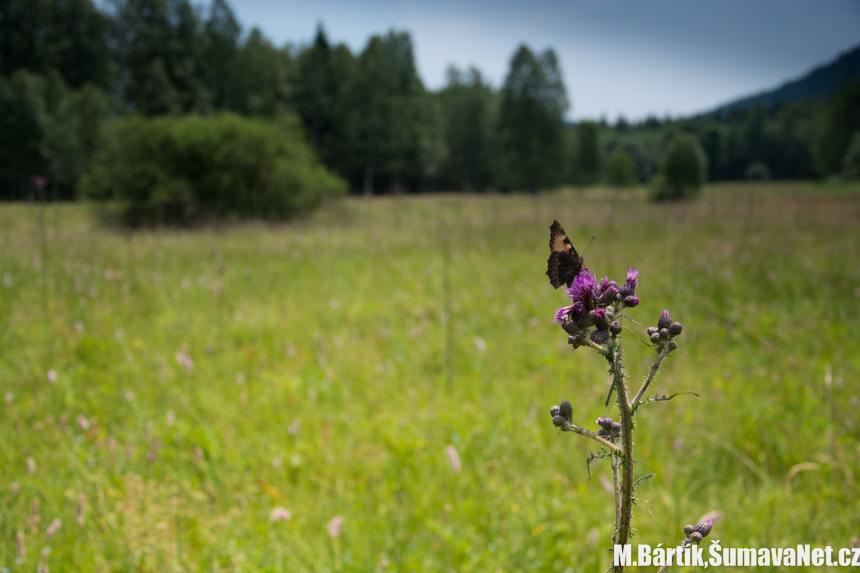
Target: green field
<point>204,378</point>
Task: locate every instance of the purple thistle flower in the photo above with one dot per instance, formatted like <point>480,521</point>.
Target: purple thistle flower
<point>562,315</point>
<point>632,276</point>
<point>582,289</point>
<point>665,320</point>
<point>631,301</point>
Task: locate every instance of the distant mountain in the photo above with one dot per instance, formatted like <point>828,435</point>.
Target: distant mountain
<point>821,83</point>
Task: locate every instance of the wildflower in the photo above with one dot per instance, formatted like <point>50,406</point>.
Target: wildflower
<point>675,328</point>
<point>688,529</point>
<point>629,287</point>
<point>334,525</point>
<point>605,423</point>
<point>280,514</point>
<point>562,315</point>
<point>31,465</point>
<point>52,376</point>
<point>665,320</point>
<point>453,459</point>
<point>53,528</point>
<point>631,301</point>
<point>582,289</point>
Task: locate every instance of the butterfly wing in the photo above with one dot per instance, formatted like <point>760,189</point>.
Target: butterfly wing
<point>564,262</point>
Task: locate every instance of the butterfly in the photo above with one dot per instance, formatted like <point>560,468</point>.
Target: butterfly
<point>564,262</point>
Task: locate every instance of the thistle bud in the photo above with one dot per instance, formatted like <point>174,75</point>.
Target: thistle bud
<point>566,410</point>
<point>675,328</point>
<point>599,336</point>
<point>672,346</point>
<point>605,423</point>
<point>576,341</point>
<point>616,427</point>
<point>608,296</point>
<point>554,411</point>
<point>688,529</point>
<point>631,301</point>
<point>704,528</point>
<point>655,338</point>
<point>570,328</point>
<point>651,330</point>
<point>664,334</point>
<point>559,421</point>
<point>695,537</point>
<point>598,316</point>
<point>615,328</point>
<point>665,320</point>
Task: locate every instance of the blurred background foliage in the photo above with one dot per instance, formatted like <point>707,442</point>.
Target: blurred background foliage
<point>67,66</point>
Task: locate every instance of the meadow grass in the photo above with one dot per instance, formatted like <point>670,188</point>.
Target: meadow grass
<point>203,378</point>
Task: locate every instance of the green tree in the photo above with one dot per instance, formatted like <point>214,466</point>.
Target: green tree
<point>323,97</point>
<point>531,120</point>
<point>69,36</point>
<point>587,155</point>
<point>851,161</point>
<point>262,77</point>
<point>220,49</point>
<point>48,131</point>
<point>159,50</point>
<point>683,170</point>
<point>394,116</point>
<point>621,169</point>
<point>469,110</point>
<point>841,120</point>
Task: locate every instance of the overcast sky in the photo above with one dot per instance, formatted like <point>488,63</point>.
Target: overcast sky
<point>619,57</point>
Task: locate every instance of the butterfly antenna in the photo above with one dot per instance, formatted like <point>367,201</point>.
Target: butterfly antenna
<point>589,244</point>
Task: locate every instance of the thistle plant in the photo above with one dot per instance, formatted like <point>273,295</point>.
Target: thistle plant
<point>596,320</point>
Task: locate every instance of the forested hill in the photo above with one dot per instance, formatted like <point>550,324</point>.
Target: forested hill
<point>821,83</point>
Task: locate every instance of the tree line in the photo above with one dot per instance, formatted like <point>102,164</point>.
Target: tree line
<point>66,66</point>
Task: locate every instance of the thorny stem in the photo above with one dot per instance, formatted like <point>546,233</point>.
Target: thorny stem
<point>616,487</point>
<point>664,352</point>
<point>589,434</point>
<point>622,533</point>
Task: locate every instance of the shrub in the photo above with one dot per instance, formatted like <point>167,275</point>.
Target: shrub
<point>851,161</point>
<point>179,170</point>
<point>620,170</point>
<point>683,169</point>
<point>757,171</point>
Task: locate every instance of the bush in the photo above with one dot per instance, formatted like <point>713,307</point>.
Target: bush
<point>621,170</point>
<point>851,161</point>
<point>683,169</point>
<point>757,171</point>
<point>179,170</point>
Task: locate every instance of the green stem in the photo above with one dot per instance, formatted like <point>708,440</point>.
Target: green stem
<point>622,534</point>
<point>664,352</point>
<point>589,434</point>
